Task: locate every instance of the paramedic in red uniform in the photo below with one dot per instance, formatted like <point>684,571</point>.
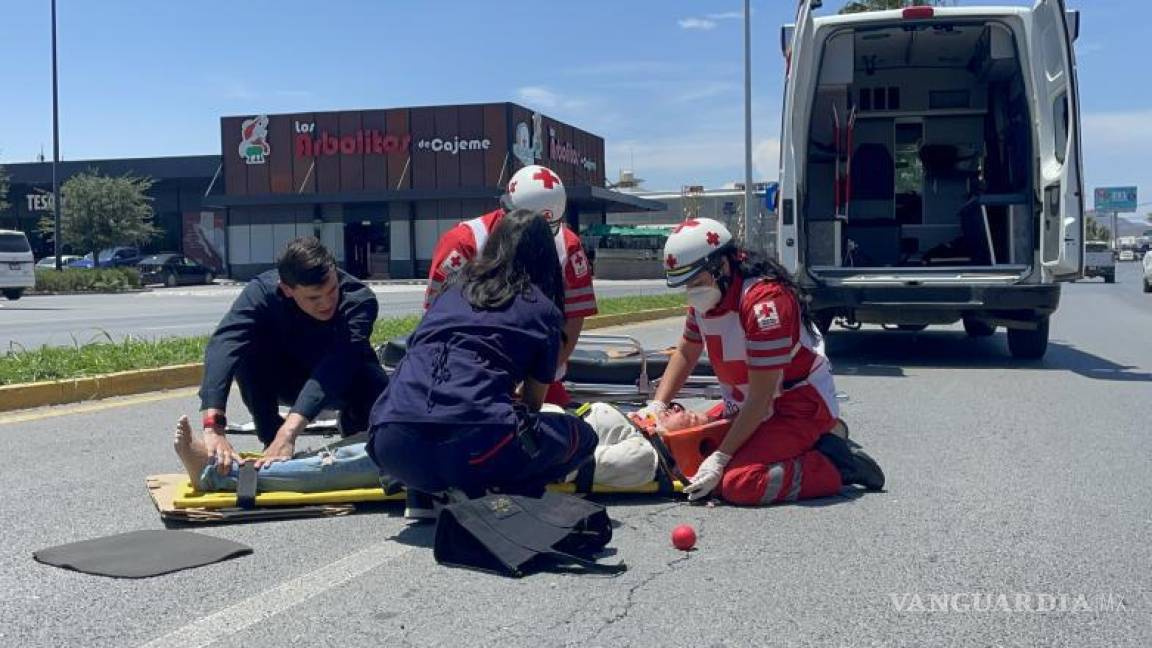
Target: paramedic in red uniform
<point>776,381</point>
<point>537,189</point>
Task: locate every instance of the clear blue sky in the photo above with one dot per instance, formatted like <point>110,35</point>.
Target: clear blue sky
<point>660,80</point>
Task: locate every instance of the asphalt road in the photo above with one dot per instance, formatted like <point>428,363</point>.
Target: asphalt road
<point>1004,479</point>
<point>64,320</point>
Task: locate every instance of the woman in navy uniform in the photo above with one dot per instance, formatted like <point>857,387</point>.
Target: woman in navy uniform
<point>462,409</point>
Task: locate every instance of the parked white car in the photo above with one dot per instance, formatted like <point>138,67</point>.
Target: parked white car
<point>49,262</point>
<point>1148,271</point>
<point>16,261</point>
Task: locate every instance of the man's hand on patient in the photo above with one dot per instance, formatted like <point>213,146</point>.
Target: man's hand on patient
<point>284,445</point>
<point>281,449</point>
<point>221,448</point>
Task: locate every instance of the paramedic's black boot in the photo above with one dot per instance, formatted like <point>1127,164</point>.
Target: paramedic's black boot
<point>420,506</point>
<point>855,466</point>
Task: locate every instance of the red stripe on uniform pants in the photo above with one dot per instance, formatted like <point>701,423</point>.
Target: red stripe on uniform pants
<point>491,451</point>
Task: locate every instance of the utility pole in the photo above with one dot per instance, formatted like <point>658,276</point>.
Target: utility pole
<point>747,115</point>
<point>56,205</point>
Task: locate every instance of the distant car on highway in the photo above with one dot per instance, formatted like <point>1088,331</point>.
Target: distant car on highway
<point>1127,255</point>
<point>49,262</point>
<point>114,257</point>
<point>173,269</point>
<point>1148,271</point>
<point>1099,262</point>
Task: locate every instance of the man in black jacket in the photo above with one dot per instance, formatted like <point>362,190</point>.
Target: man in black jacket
<point>298,335</point>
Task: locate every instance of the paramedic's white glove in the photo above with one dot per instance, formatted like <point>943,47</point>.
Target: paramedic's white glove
<point>652,410</point>
<point>560,371</point>
<point>708,476</point>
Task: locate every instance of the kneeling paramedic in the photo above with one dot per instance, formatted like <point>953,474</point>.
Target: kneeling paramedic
<point>769,360</point>
<point>450,418</point>
<point>538,189</point>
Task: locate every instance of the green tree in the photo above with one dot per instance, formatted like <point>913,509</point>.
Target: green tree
<point>860,6</point>
<point>103,211</point>
<point>4,204</point>
<point>1095,231</point>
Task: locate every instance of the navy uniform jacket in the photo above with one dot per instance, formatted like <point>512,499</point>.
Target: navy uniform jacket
<point>265,321</point>
<point>463,364</point>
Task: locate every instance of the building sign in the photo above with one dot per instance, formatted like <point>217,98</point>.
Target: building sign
<point>1115,199</point>
<point>528,144</point>
<point>453,145</point>
<point>565,152</point>
<point>254,140</point>
<point>364,141</point>
<point>476,146</point>
<point>38,202</point>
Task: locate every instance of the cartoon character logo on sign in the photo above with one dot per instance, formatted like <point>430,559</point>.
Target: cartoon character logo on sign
<point>254,140</point>
<point>529,145</point>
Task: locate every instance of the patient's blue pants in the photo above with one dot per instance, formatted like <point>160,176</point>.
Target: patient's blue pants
<point>339,469</point>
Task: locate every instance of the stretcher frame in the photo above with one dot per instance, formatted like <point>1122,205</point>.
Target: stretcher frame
<point>643,390</point>
<point>176,500</point>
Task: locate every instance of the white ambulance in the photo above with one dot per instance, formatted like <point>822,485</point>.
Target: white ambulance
<point>930,166</point>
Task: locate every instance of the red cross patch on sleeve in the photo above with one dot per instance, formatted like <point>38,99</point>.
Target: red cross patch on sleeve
<point>580,264</point>
<point>453,263</point>
<point>767,317</point>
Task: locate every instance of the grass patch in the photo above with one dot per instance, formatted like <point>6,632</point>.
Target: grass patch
<point>617,305</point>
<point>108,356</point>
<point>58,363</point>
<point>87,280</point>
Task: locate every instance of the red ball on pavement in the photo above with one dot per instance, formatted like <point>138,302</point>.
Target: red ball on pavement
<point>684,537</point>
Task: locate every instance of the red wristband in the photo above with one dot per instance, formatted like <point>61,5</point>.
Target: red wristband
<point>215,421</point>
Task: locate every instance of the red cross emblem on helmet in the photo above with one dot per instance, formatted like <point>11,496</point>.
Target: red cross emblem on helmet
<point>546,177</point>
<point>670,261</point>
<point>713,239</point>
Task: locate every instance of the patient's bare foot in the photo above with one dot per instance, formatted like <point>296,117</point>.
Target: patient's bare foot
<point>193,453</point>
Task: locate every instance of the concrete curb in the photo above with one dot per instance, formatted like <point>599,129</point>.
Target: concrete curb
<point>75,390</point>
<point>126,383</point>
<point>88,292</point>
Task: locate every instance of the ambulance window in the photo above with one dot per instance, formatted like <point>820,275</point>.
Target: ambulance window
<point>1060,125</point>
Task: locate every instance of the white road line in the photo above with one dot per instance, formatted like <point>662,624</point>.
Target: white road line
<point>271,602</point>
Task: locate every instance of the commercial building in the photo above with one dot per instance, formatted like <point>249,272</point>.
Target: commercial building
<point>377,186</point>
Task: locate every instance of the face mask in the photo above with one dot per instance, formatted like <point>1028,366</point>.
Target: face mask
<point>703,298</point>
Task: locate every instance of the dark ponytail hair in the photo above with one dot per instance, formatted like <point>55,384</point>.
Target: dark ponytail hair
<point>751,265</point>
<point>519,254</point>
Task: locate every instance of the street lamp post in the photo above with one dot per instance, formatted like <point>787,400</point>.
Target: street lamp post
<point>55,147</point>
<point>747,116</point>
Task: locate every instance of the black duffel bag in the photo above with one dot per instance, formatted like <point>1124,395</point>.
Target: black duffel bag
<point>515,535</point>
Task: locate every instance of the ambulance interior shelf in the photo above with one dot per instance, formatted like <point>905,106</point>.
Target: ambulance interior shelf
<point>611,368</point>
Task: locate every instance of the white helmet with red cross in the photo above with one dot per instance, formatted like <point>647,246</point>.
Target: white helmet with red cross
<point>691,246</point>
<point>539,189</point>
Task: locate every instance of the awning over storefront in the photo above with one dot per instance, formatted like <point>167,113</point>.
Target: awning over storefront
<point>586,198</point>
